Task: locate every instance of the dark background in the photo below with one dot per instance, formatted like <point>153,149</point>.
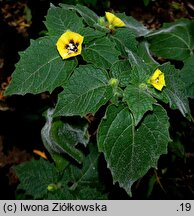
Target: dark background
<point>21,116</point>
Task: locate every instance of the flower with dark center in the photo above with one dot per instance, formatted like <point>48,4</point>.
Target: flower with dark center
<point>157,80</point>
<point>69,44</point>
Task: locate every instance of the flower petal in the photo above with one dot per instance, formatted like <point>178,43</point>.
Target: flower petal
<point>114,20</point>
<point>69,38</point>
<point>157,80</point>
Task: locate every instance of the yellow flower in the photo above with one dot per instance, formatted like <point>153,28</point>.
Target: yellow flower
<point>157,80</point>
<point>113,20</point>
<point>69,44</point>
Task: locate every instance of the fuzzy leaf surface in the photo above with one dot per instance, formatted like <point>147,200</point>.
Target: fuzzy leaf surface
<point>61,137</point>
<point>140,72</point>
<point>59,20</point>
<point>187,76</point>
<point>121,71</point>
<point>130,152</point>
<point>139,101</point>
<point>175,90</point>
<point>83,182</point>
<point>138,28</point>
<point>85,92</point>
<point>40,68</point>
<point>88,15</point>
<point>174,40</point>
<point>101,53</point>
<point>35,176</point>
<point>72,183</point>
<point>90,34</point>
<point>145,54</point>
<point>125,38</point>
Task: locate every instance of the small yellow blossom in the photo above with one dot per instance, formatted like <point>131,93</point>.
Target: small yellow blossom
<point>113,82</point>
<point>113,20</point>
<point>157,80</point>
<point>69,44</point>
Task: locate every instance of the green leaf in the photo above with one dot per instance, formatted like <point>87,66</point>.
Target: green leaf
<point>121,71</point>
<point>86,178</point>
<point>138,75</point>
<point>40,68</point>
<point>61,137</point>
<point>60,194</point>
<point>187,76</point>
<point>128,153</point>
<point>86,193</point>
<point>101,52</point>
<point>174,40</point>
<point>85,92</point>
<point>90,34</point>
<point>125,38</point>
<point>59,20</point>
<point>91,194</point>
<point>88,15</point>
<point>83,182</point>
<point>144,53</point>
<point>88,174</point>
<point>175,89</point>
<point>138,28</point>
<point>139,101</point>
<point>35,176</point>
<point>140,72</point>
<point>40,179</point>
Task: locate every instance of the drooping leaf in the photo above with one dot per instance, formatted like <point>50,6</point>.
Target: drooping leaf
<point>187,76</point>
<point>134,59</point>
<point>139,101</point>
<point>175,90</point>
<point>40,68</point>
<point>59,20</point>
<point>130,152</point>
<point>121,71</point>
<point>138,28</point>
<point>145,54</point>
<point>61,137</point>
<point>85,92</point>
<point>101,53</point>
<point>174,40</point>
